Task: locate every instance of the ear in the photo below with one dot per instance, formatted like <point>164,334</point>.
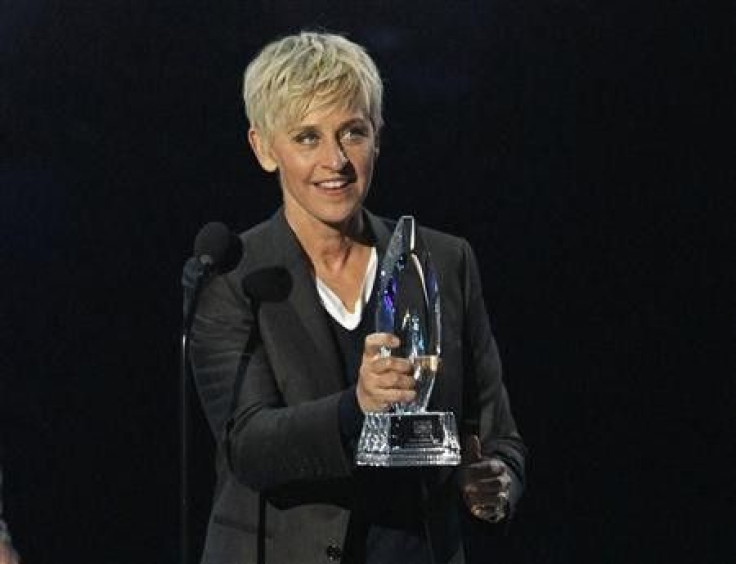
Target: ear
<point>262,150</point>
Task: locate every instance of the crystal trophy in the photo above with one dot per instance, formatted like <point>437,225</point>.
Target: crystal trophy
<point>408,306</point>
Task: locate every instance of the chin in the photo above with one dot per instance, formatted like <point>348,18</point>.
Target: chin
<point>343,218</point>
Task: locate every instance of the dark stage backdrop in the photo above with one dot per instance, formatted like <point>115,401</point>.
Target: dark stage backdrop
<point>578,145</point>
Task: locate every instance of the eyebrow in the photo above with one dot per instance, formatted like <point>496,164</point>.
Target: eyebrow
<point>311,126</point>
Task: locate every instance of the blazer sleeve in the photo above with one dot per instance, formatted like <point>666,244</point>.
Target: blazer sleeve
<point>486,399</point>
<point>273,445</point>
<point>268,443</point>
<point>222,341</point>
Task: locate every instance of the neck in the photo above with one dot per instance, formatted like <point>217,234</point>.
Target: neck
<point>328,246</point>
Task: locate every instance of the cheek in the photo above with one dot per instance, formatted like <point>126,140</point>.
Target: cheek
<point>365,160</point>
<point>293,168</point>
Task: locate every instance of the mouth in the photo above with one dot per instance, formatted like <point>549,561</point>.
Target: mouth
<point>334,183</point>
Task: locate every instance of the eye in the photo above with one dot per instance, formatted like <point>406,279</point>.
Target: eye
<point>306,138</point>
<point>355,134</point>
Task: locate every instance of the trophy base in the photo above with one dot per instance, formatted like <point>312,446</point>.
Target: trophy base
<point>409,439</point>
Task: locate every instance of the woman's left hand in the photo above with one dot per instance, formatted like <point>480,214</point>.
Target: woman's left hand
<point>485,483</point>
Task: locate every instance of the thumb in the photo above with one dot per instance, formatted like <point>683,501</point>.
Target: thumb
<point>471,449</point>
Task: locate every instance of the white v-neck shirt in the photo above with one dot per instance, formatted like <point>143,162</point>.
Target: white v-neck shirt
<point>349,319</point>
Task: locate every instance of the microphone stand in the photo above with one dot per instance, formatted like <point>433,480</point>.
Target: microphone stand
<point>184,393</point>
<point>424,488</point>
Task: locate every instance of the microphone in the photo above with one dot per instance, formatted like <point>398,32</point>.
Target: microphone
<point>217,250</point>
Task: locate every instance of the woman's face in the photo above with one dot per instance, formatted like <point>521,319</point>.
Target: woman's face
<point>325,165</point>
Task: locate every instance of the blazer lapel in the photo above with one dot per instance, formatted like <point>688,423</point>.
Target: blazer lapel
<point>381,233</point>
<point>299,320</point>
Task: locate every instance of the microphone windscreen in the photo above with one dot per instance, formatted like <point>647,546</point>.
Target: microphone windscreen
<point>218,247</point>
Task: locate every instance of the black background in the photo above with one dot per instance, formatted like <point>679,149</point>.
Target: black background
<point>584,148</point>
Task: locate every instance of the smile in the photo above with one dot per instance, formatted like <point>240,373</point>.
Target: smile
<point>333,184</point>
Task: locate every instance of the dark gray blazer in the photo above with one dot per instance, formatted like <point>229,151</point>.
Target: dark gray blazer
<point>270,380</point>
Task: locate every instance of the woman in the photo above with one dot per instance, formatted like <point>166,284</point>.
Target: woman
<point>7,553</point>
<point>286,360</point>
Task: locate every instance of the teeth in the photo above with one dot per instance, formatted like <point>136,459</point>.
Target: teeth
<point>331,184</point>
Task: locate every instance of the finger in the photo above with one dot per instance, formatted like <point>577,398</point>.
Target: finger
<point>391,364</point>
<point>489,512</point>
<point>484,487</point>
<point>386,374</point>
<point>500,499</point>
<point>394,381</point>
<point>481,478</point>
<point>486,468</point>
<point>384,400</point>
<point>481,505</point>
<point>392,397</point>
<point>375,342</point>
<point>377,392</point>
<point>393,394</point>
<point>498,467</point>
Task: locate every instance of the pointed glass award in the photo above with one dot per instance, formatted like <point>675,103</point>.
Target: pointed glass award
<point>408,306</point>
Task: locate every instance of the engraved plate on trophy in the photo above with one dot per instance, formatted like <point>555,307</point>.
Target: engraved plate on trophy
<point>409,306</point>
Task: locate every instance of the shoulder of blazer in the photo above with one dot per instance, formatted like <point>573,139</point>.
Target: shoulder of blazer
<point>271,242</point>
<point>384,227</point>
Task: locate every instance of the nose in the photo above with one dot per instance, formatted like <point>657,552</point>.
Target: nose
<point>335,156</point>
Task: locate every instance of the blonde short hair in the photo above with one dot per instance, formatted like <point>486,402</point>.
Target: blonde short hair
<point>300,73</point>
